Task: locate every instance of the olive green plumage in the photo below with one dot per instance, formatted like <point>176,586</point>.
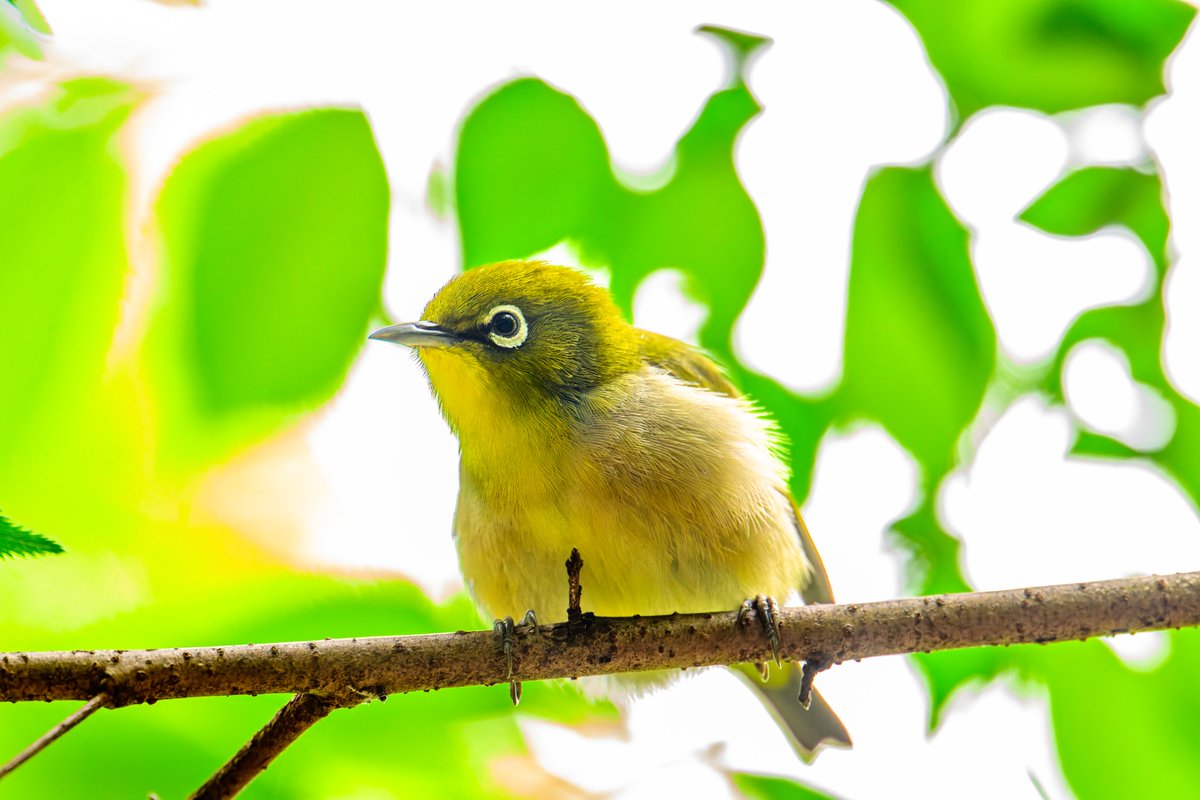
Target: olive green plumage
<point>578,430</point>
<point>578,344</point>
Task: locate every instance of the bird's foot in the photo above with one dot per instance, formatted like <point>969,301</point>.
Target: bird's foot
<point>766,609</point>
<point>505,632</point>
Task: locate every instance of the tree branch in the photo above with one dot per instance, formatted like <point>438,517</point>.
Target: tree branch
<point>379,666</point>
<point>49,737</point>
<point>298,715</point>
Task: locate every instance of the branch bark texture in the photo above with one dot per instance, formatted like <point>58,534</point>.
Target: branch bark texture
<point>301,713</point>
<point>379,666</point>
<point>54,734</point>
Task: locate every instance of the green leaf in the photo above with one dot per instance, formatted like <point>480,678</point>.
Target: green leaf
<point>532,170</point>
<point>1050,55</point>
<point>32,15</point>
<point>1105,712</point>
<point>536,149</point>
<point>947,671</point>
<point>1082,203</point>
<point>1121,713</point>
<point>1100,446</point>
<point>933,566</point>
<point>62,194</point>
<point>22,27</point>
<point>920,347</point>
<point>1181,456</point>
<point>275,240</point>
<point>1095,197</point>
<point>17,541</point>
<point>765,787</point>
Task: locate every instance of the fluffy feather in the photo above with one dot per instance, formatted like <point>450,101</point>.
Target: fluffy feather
<point>630,446</point>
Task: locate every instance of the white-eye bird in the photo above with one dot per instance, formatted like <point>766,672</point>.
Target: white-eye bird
<point>578,430</point>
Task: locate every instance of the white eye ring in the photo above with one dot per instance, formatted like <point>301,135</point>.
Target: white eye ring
<point>509,340</point>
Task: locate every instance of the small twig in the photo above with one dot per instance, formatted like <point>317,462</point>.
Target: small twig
<point>298,715</point>
<point>574,588</point>
<point>89,708</point>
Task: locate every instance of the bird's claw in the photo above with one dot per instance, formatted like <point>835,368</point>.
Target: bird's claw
<point>766,610</point>
<point>505,632</point>
<point>530,621</point>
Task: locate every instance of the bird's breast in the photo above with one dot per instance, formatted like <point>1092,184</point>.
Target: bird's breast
<point>671,494</point>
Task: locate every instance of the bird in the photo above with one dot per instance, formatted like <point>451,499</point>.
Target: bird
<point>578,430</point>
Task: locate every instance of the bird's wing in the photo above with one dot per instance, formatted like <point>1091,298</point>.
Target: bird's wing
<point>691,366</point>
<point>809,729</point>
<point>817,590</point>
<point>684,362</point>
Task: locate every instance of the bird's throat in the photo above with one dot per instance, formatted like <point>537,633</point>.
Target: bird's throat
<point>512,445</point>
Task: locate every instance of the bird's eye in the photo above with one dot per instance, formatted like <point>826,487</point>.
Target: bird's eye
<point>506,326</point>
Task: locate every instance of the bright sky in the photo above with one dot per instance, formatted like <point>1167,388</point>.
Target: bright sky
<point>846,87</point>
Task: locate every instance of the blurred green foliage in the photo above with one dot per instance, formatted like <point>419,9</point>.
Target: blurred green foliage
<point>1049,55</point>
<point>916,329</point>
<point>920,347</point>
<point>1082,203</point>
<point>271,242</point>
<point>439,743</point>
<point>522,188</point>
<point>21,27</point>
<point>113,413</point>
<point>60,293</point>
<point>764,787</point>
<point>243,295</point>
<point>1118,714</point>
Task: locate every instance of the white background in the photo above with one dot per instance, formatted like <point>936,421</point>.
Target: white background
<point>846,87</point>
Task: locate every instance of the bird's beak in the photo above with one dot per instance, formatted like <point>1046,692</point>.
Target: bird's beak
<point>416,334</point>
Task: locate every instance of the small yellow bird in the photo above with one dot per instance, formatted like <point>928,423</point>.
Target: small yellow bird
<point>578,430</point>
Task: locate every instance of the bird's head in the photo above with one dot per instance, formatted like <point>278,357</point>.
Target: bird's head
<point>518,336</point>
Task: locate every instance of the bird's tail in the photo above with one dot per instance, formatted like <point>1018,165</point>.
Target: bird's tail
<point>808,730</point>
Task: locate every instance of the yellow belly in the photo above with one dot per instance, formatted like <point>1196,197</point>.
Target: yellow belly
<point>671,496</point>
